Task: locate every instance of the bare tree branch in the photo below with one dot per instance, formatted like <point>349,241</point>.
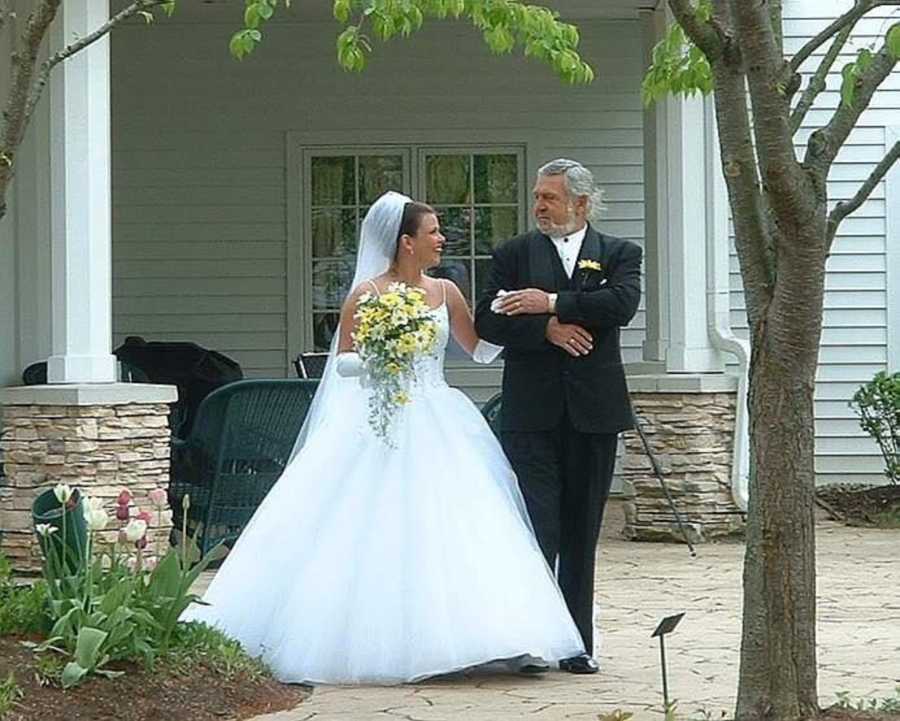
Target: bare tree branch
<point>783,178</point>
<point>739,167</point>
<point>817,81</point>
<point>775,17</point>
<point>846,207</point>
<point>860,8</point>
<point>703,34</point>
<point>47,66</point>
<point>825,143</point>
<point>23,64</point>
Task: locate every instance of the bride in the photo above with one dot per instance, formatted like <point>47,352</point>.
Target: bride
<point>386,563</point>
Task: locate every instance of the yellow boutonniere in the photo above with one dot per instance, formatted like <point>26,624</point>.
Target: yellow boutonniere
<point>589,265</point>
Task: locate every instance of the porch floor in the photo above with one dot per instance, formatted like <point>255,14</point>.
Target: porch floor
<point>638,584</point>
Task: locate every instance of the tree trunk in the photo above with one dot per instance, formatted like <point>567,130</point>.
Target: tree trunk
<point>778,648</point>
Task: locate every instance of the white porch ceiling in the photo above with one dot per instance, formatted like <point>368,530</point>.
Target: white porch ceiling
<point>217,11</point>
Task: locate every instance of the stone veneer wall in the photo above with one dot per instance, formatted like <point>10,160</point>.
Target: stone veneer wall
<point>691,435</point>
<point>98,448</point>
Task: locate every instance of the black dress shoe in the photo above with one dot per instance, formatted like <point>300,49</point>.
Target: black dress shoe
<point>579,664</point>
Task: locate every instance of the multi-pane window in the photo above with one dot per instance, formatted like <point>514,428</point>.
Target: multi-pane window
<point>477,194</point>
<point>477,199</point>
<point>341,189</point>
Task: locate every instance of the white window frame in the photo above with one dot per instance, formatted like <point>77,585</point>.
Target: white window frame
<point>302,146</point>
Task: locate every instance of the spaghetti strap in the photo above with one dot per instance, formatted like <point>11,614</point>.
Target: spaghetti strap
<point>372,283</point>
<point>444,289</point>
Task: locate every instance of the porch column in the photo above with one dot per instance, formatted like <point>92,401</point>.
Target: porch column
<point>675,260</point>
<point>656,286</point>
<point>81,220</point>
<point>686,402</point>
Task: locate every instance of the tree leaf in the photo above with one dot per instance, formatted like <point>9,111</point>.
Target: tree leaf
<point>72,674</point>
<point>87,648</point>
<point>893,41</point>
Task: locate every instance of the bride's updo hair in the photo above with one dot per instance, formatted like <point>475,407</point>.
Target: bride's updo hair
<point>413,213</point>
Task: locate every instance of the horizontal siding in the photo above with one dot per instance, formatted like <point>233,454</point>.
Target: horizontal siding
<point>199,199</point>
<point>856,318</point>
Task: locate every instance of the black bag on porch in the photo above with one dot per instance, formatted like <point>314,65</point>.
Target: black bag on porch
<point>196,371</point>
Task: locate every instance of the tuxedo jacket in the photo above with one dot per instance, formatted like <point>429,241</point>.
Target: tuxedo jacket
<point>540,380</point>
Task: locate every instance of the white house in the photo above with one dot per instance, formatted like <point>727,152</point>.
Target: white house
<point>168,191</point>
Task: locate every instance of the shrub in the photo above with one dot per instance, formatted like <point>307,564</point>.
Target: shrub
<point>878,406</point>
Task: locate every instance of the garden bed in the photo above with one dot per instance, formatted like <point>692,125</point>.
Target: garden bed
<point>192,684</point>
<point>860,505</point>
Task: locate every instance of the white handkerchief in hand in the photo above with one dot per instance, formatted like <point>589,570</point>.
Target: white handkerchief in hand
<point>485,352</point>
<point>495,304</point>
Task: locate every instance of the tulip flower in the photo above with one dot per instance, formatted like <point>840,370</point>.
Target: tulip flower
<point>94,514</point>
<point>135,530</point>
<point>158,497</point>
<point>63,492</point>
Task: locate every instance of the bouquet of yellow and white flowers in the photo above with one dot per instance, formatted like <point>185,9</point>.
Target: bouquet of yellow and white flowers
<point>393,329</point>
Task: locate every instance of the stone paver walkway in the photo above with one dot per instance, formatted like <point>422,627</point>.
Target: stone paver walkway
<point>639,583</point>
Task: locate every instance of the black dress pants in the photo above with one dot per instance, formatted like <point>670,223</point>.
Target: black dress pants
<point>565,476</point>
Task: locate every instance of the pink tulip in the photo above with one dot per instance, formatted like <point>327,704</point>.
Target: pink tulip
<point>122,512</point>
<point>141,543</point>
<point>158,497</point>
<point>124,497</point>
<point>145,517</point>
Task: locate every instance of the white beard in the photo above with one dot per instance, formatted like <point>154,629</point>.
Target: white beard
<point>560,230</point>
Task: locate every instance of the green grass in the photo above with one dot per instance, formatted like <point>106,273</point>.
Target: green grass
<point>9,694</point>
<point>198,643</point>
<point>23,608</point>
<point>874,705</point>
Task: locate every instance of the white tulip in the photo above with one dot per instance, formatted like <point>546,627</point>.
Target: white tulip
<point>63,492</point>
<point>45,529</point>
<point>135,530</point>
<point>94,514</point>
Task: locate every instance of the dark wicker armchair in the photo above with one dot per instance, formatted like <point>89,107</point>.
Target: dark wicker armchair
<point>310,365</point>
<point>240,442</point>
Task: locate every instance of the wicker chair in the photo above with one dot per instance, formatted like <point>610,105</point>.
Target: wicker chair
<point>310,365</point>
<point>237,449</point>
<point>491,412</point>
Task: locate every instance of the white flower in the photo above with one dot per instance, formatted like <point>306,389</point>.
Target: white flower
<point>63,492</point>
<point>135,530</point>
<point>45,529</point>
<point>94,514</point>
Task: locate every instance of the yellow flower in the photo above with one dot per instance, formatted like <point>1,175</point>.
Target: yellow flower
<point>401,398</point>
<point>588,264</point>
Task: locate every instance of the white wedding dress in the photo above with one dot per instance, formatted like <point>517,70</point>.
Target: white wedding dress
<point>370,564</point>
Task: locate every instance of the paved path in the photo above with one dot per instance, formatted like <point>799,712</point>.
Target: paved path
<point>637,584</point>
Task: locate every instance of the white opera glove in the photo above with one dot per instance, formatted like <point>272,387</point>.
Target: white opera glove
<point>349,365</point>
<point>485,352</point>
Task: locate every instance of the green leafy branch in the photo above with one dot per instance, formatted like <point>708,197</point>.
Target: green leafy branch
<point>505,26</point>
<point>678,67</point>
<point>854,71</point>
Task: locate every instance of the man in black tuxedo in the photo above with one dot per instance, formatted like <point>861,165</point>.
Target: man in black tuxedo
<point>556,299</point>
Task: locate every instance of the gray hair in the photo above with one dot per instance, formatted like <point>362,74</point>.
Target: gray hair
<point>579,181</point>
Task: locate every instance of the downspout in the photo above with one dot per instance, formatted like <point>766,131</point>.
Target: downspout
<point>718,304</point>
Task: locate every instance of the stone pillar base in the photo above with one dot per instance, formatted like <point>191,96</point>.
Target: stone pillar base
<point>689,423</point>
<point>98,438</point>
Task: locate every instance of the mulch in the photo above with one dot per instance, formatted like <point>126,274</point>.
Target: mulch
<point>202,694</point>
<point>858,505</point>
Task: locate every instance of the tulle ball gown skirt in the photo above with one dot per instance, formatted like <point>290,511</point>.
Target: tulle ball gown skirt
<point>376,564</point>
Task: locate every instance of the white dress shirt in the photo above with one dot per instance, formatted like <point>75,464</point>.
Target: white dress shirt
<point>569,248</point>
